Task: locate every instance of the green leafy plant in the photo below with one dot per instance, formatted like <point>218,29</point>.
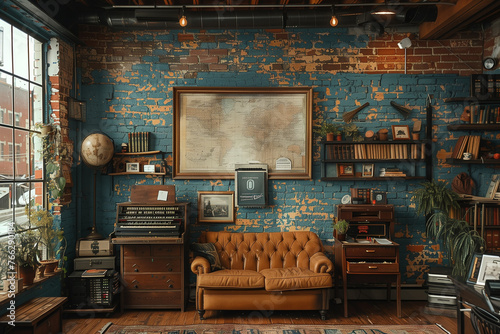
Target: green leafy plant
<point>50,235</point>
<point>351,130</point>
<point>27,252</point>
<point>435,200</point>
<point>341,226</point>
<point>326,128</point>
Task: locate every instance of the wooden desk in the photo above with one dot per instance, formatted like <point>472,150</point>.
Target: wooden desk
<point>471,294</point>
<point>368,263</point>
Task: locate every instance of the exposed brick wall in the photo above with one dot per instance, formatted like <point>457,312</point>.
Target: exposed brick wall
<point>127,81</point>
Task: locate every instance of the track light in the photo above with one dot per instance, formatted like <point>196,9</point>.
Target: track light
<point>334,20</point>
<point>183,21</point>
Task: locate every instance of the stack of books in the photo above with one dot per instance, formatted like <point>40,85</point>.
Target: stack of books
<point>466,144</point>
<point>393,172</point>
<point>138,142</point>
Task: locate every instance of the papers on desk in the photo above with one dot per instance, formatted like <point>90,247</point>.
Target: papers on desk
<point>383,241</point>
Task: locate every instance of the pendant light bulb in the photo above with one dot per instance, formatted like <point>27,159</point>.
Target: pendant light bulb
<point>334,20</point>
<point>183,21</point>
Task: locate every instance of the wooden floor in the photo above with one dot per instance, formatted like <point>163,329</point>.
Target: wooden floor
<point>361,312</point>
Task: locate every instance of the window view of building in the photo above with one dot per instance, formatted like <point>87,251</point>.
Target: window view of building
<point>21,107</point>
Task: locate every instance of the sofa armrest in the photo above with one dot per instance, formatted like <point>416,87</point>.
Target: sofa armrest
<point>320,263</point>
<point>200,265</point>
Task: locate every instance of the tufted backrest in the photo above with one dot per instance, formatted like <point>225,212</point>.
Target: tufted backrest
<point>257,251</point>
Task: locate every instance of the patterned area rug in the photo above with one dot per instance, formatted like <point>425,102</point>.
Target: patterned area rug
<point>273,329</point>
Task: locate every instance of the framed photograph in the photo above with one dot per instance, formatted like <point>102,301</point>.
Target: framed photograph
<point>489,269</point>
<point>216,206</point>
<point>474,268</point>
<point>400,132</point>
<point>367,170</point>
<point>132,167</point>
<point>345,169</point>
<point>216,128</point>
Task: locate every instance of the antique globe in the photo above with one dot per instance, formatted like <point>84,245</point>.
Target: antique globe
<point>96,151</point>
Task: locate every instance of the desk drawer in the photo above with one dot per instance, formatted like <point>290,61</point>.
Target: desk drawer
<point>151,264</point>
<point>370,252</point>
<point>372,267</point>
<point>153,281</point>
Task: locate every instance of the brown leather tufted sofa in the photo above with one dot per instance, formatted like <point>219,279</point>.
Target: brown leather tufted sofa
<point>265,272</point>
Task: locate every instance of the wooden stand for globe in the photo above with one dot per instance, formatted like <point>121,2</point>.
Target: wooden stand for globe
<point>94,235</point>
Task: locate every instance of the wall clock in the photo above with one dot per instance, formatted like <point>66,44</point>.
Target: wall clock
<point>489,63</point>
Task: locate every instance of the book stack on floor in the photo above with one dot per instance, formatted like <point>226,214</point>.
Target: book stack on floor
<point>441,297</point>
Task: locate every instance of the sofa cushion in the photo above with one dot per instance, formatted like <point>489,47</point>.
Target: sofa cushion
<point>208,251</point>
<point>230,279</point>
<point>293,278</point>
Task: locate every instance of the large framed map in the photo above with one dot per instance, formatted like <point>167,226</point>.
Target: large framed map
<point>217,128</point>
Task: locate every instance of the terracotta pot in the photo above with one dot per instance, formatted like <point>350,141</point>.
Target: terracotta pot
<point>330,137</point>
<point>27,274</point>
<point>415,136</point>
<point>339,137</point>
<point>50,265</point>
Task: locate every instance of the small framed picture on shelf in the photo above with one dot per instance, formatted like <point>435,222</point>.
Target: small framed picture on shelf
<point>132,167</point>
<point>345,169</point>
<point>216,206</point>
<point>489,268</point>
<point>367,170</point>
<point>400,132</point>
<point>474,268</point>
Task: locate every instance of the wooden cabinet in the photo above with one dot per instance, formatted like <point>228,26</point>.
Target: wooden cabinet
<point>366,260</point>
<point>153,269</point>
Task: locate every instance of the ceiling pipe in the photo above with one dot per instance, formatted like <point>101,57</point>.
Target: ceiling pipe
<point>245,19</point>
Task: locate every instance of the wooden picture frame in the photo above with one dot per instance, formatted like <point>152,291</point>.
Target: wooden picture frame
<point>216,128</point>
<point>216,207</point>
<point>474,268</point>
<point>489,269</point>
<point>132,167</point>
<point>345,170</point>
<point>400,132</point>
<point>367,170</point>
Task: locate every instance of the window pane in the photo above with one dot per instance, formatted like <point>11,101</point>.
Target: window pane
<point>21,102</point>
<point>5,46</point>
<point>36,68</point>
<point>37,158</point>
<point>21,50</point>
<point>6,99</point>
<point>36,105</point>
<point>6,194</point>
<point>21,154</point>
<point>22,221</point>
<point>6,154</point>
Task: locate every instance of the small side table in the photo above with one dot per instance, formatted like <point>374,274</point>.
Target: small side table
<point>368,263</point>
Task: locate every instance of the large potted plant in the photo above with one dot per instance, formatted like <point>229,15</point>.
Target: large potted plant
<point>435,200</point>
<point>27,255</point>
<point>50,235</point>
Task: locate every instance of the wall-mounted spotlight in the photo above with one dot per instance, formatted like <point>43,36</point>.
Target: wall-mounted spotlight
<point>183,21</point>
<point>405,43</point>
<point>334,20</point>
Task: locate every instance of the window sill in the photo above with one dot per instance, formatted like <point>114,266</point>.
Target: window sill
<point>4,296</point>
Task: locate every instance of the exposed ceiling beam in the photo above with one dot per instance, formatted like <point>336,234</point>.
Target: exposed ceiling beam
<point>452,19</point>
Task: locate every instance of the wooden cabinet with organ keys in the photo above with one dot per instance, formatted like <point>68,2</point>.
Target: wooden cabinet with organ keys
<point>361,258</point>
<point>153,270</point>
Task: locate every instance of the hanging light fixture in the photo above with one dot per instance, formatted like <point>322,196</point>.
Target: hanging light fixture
<point>183,21</point>
<point>334,20</point>
<point>384,10</point>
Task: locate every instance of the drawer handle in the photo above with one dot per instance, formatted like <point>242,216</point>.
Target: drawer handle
<point>370,250</point>
<point>372,267</point>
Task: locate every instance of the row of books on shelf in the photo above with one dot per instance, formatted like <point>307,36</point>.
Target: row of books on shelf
<point>485,85</point>
<point>482,114</point>
<point>375,151</point>
<point>468,144</point>
<point>138,142</point>
<point>492,238</point>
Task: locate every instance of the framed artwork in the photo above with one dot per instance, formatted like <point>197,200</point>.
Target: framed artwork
<point>132,167</point>
<point>400,132</point>
<point>367,170</point>
<point>345,169</point>
<point>474,268</point>
<point>216,128</point>
<point>216,206</point>
<point>489,269</point>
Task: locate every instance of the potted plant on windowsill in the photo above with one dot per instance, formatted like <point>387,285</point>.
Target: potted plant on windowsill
<point>341,227</point>
<point>27,255</point>
<point>50,235</point>
<point>435,200</point>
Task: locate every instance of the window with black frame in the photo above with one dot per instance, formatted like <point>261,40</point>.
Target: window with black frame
<point>21,107</point>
